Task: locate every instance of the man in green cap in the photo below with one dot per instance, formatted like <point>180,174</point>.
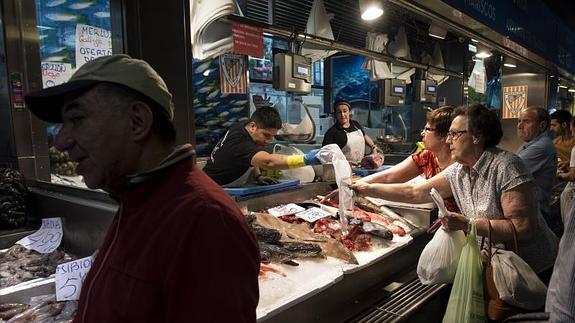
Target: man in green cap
<point>179,249</point>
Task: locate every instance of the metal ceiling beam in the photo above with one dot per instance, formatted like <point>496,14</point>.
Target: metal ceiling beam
<point>331,44</point>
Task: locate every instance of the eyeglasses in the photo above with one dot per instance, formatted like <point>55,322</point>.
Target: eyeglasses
<point>454,135</point>
<point>427,129</point>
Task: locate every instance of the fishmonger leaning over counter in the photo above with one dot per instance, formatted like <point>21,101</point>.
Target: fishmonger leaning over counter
<point>240,153</point>
<point>489,185</point>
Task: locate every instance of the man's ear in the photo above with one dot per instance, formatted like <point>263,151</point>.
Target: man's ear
<point>141,120</point>
<point>251,127</point>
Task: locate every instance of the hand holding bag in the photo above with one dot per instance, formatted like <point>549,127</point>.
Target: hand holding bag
<point>511,286</point>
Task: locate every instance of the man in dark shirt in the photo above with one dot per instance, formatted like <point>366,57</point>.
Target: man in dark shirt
<point>243,147</point>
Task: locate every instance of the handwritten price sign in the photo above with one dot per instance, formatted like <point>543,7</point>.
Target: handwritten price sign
<point>313,214</point>
<point>285,209</point>
<point>91,42</point>
<point>46,239</point>
<point>69,278</point>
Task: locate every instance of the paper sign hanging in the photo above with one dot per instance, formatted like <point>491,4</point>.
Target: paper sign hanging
<point>54,73</point>
<point>286,209</point>
<point>91,42</point>
<point>69,278</point>
<point>248,40</point>
<point>514,100</point>
<point>46,239</point>
<point>233,74</point>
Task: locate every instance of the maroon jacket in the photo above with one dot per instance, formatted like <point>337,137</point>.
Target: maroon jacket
<point>178,250</point>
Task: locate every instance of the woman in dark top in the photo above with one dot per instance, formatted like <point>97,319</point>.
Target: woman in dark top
<point>347,134</point>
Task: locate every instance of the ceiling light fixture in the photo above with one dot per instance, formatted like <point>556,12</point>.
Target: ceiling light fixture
<point>437,31</point>
<point>509,62</point>
<point>474,40</point>
<point>370,9</point>
<point>571,90</point>
<point>562,86</point>
<point>482,52</point>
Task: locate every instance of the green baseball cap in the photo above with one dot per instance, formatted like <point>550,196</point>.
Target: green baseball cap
<point>119,69</point>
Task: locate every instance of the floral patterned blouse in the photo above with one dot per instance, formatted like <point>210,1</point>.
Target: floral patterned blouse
<point>429,167</point>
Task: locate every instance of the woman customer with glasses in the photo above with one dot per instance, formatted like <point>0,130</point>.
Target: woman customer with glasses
<point>490,185</point>
<point>429,162</point>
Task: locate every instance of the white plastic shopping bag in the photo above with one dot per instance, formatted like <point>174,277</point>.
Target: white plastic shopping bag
<point>438,261</point>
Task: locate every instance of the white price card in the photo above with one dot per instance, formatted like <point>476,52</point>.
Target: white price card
<point>313,214</point>
<point>46,239</point>
<point>285,209</point>
<point>69,278</point>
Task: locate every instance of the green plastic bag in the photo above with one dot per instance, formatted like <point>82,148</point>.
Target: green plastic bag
<point>466,304</point>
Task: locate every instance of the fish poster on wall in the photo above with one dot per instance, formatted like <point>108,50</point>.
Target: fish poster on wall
<point>514,100</point>
<point>233,74</point>
<point>214,111</point>
<point>57,21</point>
<point>55,73</point>
<point>91,42</point>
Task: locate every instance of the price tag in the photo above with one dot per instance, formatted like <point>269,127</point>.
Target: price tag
<point>285,209</point>
<point>46,239</point>
<point>69,278</point>
<point>313,214</point>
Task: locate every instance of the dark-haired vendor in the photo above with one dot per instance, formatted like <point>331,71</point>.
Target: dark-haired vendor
<point>348,134</point>
<point>237,157</point>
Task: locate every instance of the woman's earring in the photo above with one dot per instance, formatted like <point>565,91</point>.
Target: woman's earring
<point>475,141</point>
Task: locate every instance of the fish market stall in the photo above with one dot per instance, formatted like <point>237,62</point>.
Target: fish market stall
<point>333,288</point>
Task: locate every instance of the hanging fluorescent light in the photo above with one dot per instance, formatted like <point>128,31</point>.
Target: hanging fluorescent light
<point>370,9</point>
<point>509,62</point>
<point>437,31</point>
<point>474,40</point>
<point>482,52</point>
<point>562,86</point>
<point>571,90</point>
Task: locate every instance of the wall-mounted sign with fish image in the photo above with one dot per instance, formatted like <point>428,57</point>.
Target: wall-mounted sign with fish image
<point>214,109</point>
<point>514,100</point>
<point>58,21</point>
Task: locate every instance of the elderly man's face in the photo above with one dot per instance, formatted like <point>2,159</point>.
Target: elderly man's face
<point>96,134</point>
<point>529,126</point>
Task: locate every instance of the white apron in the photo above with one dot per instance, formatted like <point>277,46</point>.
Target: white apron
<point>355,147</point>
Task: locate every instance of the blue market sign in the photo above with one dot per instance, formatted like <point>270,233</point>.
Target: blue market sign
<point>529,23</point>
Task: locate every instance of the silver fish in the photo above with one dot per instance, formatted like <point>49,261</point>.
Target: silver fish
<point>203,67</point>
<point>61,17</point>
<point>223,114</point>
<point>236,110</point>
<point>211,122</point>
<point>102,14</point>
<point>55,3</point>
<point>213,94</point>
<point>205,89</point>
<point>80,5</point>
<point>202,110</point>
<point>241,102</point>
